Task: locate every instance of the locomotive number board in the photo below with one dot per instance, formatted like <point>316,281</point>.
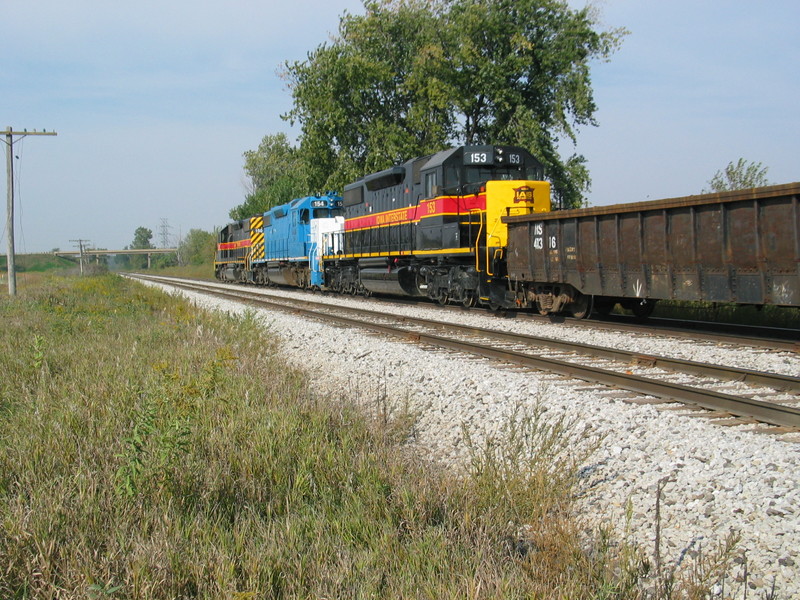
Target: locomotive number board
<point>489,155</point>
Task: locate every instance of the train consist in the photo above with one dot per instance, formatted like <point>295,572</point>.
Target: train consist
<point>472,225</point>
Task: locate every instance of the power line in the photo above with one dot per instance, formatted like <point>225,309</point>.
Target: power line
<point>10,256</point>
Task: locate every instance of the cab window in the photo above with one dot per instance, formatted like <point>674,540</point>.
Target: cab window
<point>430,184</point>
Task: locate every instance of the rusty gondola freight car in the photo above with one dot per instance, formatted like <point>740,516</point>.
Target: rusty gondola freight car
<point>741,246</point>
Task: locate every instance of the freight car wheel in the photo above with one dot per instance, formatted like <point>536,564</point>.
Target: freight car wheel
<point>582,307</point>
<point>643,309</point>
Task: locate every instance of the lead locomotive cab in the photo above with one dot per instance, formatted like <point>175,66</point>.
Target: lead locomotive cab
<point>432,226</point>
<point>479,165</point>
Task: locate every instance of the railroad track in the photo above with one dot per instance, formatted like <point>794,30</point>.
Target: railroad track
<point>646,378</point>
<point>770,339</point>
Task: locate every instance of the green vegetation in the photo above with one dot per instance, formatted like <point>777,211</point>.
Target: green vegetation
<point>150,450</point>
<point>141,241</point>
<point>197,248</point>
<point>38,263</point>
<point>199,271</point>
<point>740,176</point>
<point>275,172</point>
<point>412,77</point>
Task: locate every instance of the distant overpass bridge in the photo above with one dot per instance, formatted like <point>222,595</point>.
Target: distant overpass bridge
<point>96,253</point>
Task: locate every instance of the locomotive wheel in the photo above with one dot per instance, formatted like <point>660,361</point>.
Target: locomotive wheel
<point>470,300</point>
<point>443,298</point>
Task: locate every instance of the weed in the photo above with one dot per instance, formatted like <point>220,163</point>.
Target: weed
<point>133,456</point>
<point>38,352</point>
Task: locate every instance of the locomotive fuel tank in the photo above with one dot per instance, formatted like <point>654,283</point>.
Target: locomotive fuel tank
<point>378,276</point>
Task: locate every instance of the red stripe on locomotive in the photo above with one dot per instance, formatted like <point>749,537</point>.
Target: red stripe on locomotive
<point>446,205</point>
<point>234,245</point>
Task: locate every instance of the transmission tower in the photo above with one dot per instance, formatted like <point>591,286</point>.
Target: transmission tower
<point>165,236</point>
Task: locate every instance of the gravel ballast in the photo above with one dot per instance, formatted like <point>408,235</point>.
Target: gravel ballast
<point>714,480</point>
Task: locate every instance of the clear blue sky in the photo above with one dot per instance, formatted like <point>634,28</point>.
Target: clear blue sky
<point>154,103</point>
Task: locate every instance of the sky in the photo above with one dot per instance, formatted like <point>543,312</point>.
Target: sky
<point>155,102</point>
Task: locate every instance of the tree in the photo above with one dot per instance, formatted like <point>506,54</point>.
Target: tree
<point>411,77</point>
<point>359,103</point>
<point>739,176</point>
<point>197,247</point>
<point>276,176</point>
<point>141,241</point>
<point>162,261</point>
<point>520,71</point>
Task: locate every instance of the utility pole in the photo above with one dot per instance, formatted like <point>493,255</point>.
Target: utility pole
<point>80,246</point>
<point>10,256</point>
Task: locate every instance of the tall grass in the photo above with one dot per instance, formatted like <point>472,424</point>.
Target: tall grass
<point>149,450</point>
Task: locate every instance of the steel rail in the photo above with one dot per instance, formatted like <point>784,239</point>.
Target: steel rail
<point>773,380</point>
<point>782,382</point>
<point>766,412</point>
<point>726,333</point>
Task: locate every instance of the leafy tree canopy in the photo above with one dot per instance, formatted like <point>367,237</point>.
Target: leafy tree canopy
<point>141,239</point>
<point>739,176</point>
<point>411,77</point>
<point>197,247</point>
<point>276,175</point>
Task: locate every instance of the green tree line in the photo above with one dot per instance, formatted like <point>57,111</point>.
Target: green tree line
<point>195,248</point>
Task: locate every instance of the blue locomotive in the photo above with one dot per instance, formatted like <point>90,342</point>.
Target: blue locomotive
<point>284,246</point>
